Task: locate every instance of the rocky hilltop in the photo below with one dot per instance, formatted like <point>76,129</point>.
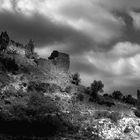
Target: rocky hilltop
<point>17,60</point>
<point>39,100</point>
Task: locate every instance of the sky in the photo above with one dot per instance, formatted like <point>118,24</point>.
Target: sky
<point>101,36</point>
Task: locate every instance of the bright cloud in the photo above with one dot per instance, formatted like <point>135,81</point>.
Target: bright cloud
<point>124,58</point>
<point>122,64</point>
<point>125,49</point>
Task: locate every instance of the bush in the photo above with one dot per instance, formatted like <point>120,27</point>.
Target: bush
<point>76,79</point>
<point>19,112</point>
<point>106,95</point>
<point>9,64</point>
<point>95,88</point>
<point>36,99</point>
<point>43,87</point>
<point>69,89</point>
<point>23,123</point>
<point>41,105</point>
<point>113,116</point>
<point>105,101</point>
<point>80,97</point>
<point>117,95</point>
<point>40,116</point>
<point>137,113</point>
<point>12,92</point>
<point>129,100</point>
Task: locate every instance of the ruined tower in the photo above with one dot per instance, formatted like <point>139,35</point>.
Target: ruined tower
<point>4,40</point>
<point>60,60</point>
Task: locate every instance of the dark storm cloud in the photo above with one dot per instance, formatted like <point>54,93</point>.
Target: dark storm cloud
<point>40,29</point>
<point>130,33</point>
<point>44,31</point>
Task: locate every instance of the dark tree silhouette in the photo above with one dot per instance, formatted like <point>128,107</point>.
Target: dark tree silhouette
<point>138,94</point>
<point>106,95</point>
<point>129,99</point>
<point>30,49</point>
<point>95,88</point>
<point>117,95</point>
<point>4,40</point>
<point>76,78</point>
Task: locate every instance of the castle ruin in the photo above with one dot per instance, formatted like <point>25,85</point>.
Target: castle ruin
<point>57,62</point>
<point>56,66</point>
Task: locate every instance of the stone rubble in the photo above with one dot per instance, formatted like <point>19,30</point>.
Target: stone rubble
<point>125,129</point>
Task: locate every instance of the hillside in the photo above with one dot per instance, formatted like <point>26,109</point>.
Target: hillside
<point>39,101</point>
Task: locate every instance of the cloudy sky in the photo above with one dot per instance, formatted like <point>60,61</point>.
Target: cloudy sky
<point>101,36</point>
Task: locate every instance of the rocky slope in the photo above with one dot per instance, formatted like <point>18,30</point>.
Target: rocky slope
<point>38,101</point>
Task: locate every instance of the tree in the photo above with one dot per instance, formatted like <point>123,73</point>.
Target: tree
<point>106,95</point>
<point>4,40</point>
<point>138,94</point>
<point>117,95</point>
<point>130,100</point>
<point>76,78</point>
<point>29,49</point>
<point>95,88</point>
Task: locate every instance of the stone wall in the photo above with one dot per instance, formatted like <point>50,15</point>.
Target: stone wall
<point>61,61</point>
<point>57,68</point>
<point>59,64</point>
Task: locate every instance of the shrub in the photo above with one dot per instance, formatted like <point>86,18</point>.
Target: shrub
<point>87,90</point>
<point>117,95</point>
<point>106,95</point>
<point>43,87</point>
<point>12,92</point>
<point>19,112</point>
<point>105,101</point>
<point>37,120</point>
<point>137,113</point>
<point>129,100</point>
<point>138,94</point>
<point>41,105</point>
<point>69,89</point>
<point>76,79</point>
<point>80,97</point>
<point>113,116</point>
<point>9,64</point>
<point>26,121</point>
<point>91,133</point>
<point>95,88</point>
